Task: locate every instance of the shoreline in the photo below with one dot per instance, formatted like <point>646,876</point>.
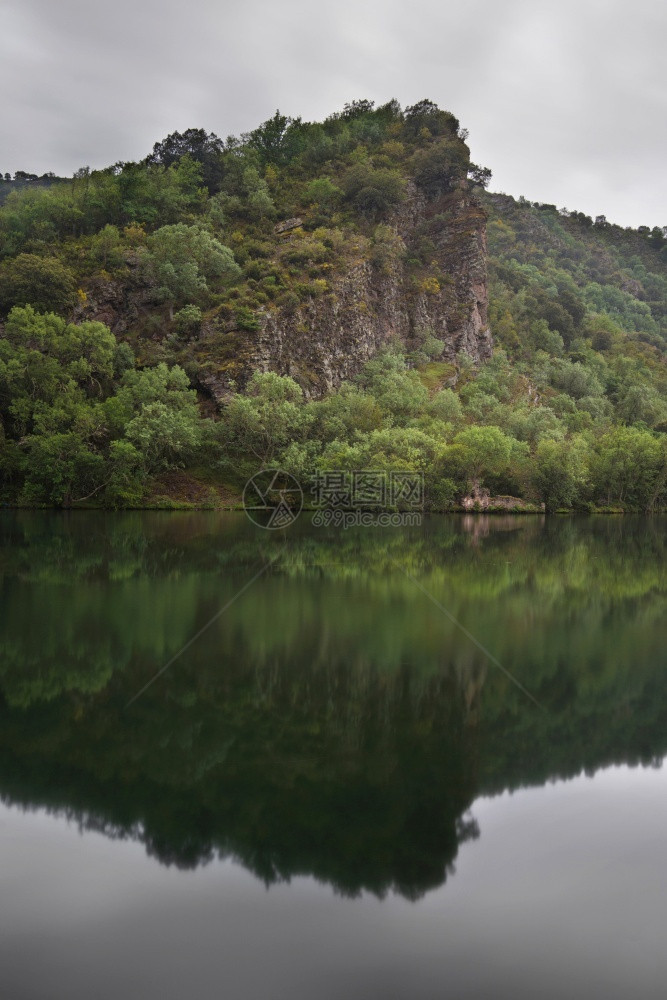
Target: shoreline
<point>175,506</point>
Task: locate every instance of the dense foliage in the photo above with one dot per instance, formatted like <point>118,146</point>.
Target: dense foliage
<point>571,411</point>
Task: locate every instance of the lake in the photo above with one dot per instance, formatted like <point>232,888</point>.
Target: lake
<point>379,763</point>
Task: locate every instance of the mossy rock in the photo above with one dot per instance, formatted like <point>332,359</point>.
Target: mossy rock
<point>436,374</point>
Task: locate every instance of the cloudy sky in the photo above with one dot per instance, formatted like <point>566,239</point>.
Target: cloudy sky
<point>565,100</point>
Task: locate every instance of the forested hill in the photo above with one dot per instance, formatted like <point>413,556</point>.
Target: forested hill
<point>589,268</point>
<point>315,296</point>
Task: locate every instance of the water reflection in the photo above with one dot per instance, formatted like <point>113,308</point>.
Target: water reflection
<point>332,722</point>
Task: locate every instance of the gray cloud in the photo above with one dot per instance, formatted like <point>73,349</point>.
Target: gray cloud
<point>566,102</point>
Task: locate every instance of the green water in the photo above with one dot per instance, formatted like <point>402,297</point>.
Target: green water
<point>337,704</point>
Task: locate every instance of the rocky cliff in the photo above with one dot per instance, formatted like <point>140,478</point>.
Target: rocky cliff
<point>429,278</point>
<point>326,339</point>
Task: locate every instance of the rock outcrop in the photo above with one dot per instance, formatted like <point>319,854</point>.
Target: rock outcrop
<point>327,339</point>
<point>371,299</point>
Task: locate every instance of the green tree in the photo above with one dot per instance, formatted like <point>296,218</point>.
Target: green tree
<point>574,378</point>
<point>373,191</point>
<point>427,116</point>
<point>439,166</point>
<point>204,148</point>
<point>181,259</point>
<point>188,320</point>
<point>156,411</point>
<point>276,140</point>
<point>45,361</point>
<point>544,339</point>
<point>629,466</point>
<point>345,414</point>
<point>165,436</point>
<point>324,193</point>
<point>258,197</point>
<point>446,406</point>
<point>42,282</point>
<point>534,423</point>
<point>558,473</point>
<point>106,247</point>
<point>266,419</point>
<point>407,448</point>
<point>125,473</point>
<point>61,469</point>
<point>481,451</point>
<point>640,403</point>
<point>398,391</point>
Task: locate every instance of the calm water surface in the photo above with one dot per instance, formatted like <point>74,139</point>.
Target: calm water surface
<point>404,763</point>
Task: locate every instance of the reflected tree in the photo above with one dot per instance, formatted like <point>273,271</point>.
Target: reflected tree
<point>331,723</point>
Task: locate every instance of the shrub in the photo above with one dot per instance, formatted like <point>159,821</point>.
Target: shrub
<point>42,282</point>
<point>246,319</point>
<point>324,193</point>
<point>373,191</point>
<point>438,167</point>
<point>180,259</point>
<point>188,320</point>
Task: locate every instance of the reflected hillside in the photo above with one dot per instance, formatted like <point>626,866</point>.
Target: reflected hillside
<point>333,721</point>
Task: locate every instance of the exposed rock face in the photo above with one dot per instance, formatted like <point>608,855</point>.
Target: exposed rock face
<point>479,499</point>
<point>111,302</point>
<point>283,227</point>
<point>326,340</point>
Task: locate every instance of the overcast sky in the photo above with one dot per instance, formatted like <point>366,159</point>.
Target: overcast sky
<point>565,100</point>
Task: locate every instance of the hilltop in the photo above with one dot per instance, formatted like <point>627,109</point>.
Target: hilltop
<point>334,295</point>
